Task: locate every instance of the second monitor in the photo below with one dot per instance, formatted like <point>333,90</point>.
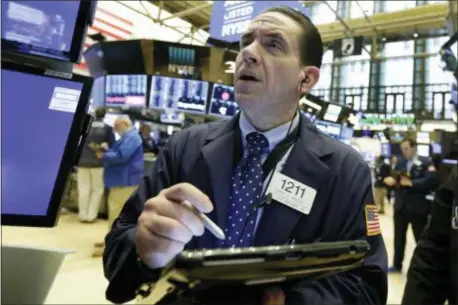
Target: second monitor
<point>168,93</point>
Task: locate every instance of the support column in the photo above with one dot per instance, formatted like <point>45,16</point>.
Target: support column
<point>374,80</point>
<point>343,9</point>
<point>419,76</point>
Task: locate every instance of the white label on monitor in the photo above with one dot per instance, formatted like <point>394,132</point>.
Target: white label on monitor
<point>64,99</point>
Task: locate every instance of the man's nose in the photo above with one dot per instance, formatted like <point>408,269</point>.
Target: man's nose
<point>250,54</point>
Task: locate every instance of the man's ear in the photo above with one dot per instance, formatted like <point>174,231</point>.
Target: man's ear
<point>311,77</point>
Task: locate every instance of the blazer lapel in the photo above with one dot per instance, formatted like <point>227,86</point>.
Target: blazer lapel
<point>218,155</point>
<point>304,164</point>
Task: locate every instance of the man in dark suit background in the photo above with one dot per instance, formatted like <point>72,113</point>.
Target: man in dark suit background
<point>414,178</point>
<point>279,61</point>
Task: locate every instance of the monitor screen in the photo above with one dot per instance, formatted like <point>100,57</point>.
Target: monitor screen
<point>436,148</point>
<point>125,90</point>
<point>331,129</point>
<point>346,134</point>
<point>423,150</point>
<point>168,93</point>
<point>332,113</point>
<point>52,29</point>
<point>222,101</point>
<point>423,137</point>
<point>42,118</point>
<point>386,150</point>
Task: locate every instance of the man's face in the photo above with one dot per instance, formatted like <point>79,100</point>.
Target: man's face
<point>120,127</point>
<point>407,150</point>
<point>268,71</point>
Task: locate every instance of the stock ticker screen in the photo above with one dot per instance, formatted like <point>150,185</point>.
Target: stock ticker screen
<point>169,93</point>
<point>125,90</point>
<point>48,26</point>
<point>222,101</point>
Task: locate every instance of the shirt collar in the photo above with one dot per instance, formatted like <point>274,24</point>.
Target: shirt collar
<point>274,136</point>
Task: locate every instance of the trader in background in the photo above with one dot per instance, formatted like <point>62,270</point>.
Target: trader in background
<point>414,178</point>
<point>123,164</point>
<point>433,271</point>
<point>382,170</point>
<point>278,63</point>
<point>90,168</point>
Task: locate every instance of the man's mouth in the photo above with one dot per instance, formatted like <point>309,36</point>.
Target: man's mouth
<point>248,78</point>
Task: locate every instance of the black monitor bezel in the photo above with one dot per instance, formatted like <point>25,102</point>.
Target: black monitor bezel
<point>83,18</point>
<point>71,147</point>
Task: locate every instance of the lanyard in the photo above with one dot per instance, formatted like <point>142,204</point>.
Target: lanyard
<point>274,157</point>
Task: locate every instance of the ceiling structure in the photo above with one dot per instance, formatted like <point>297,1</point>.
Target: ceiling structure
<point>427,20</point>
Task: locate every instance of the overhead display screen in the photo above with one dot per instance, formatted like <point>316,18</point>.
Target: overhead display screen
<point>169,93</point>
<point>125,90</point>
<point>222,102</point>
<point>44,28</point>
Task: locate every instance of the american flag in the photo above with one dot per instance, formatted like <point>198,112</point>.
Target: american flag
<point>111,25</point>
<point>372,221</point>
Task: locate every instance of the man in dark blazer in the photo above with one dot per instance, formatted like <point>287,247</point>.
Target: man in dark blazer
<point>414,178</point>
<point>433,270</point>
<point>279,62</point>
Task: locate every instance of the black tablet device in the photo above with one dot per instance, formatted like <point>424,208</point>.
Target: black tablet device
<point>42,118</point>
<point>202,269</point>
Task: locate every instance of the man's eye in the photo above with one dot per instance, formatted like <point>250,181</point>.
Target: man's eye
<point>274,44</point>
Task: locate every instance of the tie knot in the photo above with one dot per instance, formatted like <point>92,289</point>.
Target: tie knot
<point>257,144</point>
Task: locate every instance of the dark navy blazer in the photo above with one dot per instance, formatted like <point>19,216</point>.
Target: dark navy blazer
<point>203,155</point>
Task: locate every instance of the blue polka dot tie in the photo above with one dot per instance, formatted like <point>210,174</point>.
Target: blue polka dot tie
<point>247,183</point>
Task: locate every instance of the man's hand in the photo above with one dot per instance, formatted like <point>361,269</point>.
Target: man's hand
<point>104,146</point>
<point>99,155</point>
<point>389,181</point>
<point>406,182</point>
<point>166,226</point>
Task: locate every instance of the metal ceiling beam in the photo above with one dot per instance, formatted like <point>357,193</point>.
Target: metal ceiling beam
<point>148,15</point>
<point>161,7</point>
<point>349,31</point>
<point>187,12</point>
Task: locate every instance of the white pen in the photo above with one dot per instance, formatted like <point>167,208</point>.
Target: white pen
<point>208,223</point>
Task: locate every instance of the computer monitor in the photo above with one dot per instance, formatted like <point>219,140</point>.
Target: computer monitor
<point>222,101</point>
<point>332,112</point>
<point>386,149</point>
<point>346,134</point>
<point>42,116</point>
<point>177,94</point>
<point>51,29</point>
<point>436,148</point>
<point>125,90</point>
<point>329,128</point>
<point>423,150</point>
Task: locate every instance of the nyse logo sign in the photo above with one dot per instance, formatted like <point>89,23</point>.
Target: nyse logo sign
<point>230,67</point>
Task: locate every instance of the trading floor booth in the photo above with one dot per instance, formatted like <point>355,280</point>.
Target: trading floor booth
<point>43,123</point>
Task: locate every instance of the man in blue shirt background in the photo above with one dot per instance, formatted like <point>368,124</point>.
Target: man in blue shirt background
<point>123,169</point>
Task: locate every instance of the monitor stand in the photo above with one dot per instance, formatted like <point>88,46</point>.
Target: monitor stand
<point>28,273</point>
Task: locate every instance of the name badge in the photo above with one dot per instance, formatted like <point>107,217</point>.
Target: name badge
<point>291,193</point>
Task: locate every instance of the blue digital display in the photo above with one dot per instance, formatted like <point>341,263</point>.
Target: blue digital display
<point>329,128</point>
<point>125,90</point>
<point>169,93</point>
<point>42,28</point>
<point>222,101</point>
